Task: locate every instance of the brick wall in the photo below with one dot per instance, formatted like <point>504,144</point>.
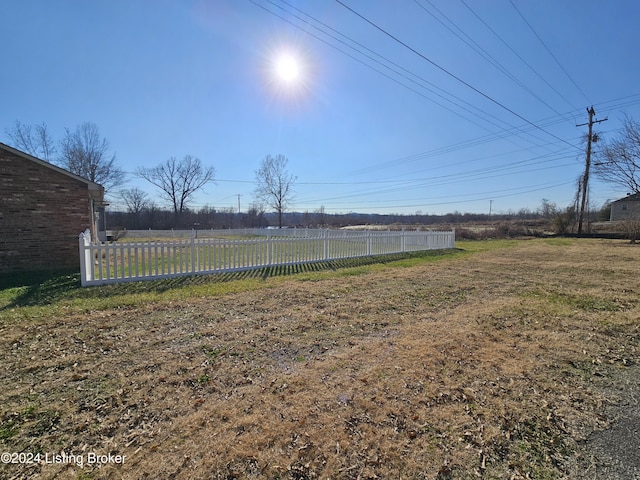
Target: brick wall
<point>42,212</point>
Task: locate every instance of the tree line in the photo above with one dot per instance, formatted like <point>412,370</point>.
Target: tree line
<point>206,218</point>
<point>84,152</point>
<point>548,216</point>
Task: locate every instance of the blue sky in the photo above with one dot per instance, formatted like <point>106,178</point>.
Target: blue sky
<point>472,106</point>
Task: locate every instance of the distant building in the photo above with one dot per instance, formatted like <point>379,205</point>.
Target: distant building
<point>43,209</point>
<point>626,208</point>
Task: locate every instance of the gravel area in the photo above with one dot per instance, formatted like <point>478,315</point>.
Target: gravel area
<point>614,453</point>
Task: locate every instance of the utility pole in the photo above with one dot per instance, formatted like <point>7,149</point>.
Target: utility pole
<point>587,167</point>
<point>239,202</point>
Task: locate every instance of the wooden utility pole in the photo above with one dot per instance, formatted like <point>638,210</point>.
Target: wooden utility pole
<point>239,195</point>
<point>587,167</point>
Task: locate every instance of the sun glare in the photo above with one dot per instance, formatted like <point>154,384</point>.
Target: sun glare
<point>288,75</point>
<point>287,68</point>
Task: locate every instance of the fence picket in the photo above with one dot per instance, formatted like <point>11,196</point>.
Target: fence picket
<point>103,263</point>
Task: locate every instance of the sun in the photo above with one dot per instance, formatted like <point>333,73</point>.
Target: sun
<point>288,68</point>
<point>288,74</point>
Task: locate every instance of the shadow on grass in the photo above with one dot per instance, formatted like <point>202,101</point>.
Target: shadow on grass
<point>38,288</point>
<point>44,288</point>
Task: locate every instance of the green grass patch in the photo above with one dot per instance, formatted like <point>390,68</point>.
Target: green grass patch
<point>8,428</point>
<point>559,241</point>
<point>35,420</point>
<point>585,302</point>
<point>479,246</point>
<point>35,296</point>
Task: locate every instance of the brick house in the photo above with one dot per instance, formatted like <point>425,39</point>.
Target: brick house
<point>43,209</point>
<point>626,208</point>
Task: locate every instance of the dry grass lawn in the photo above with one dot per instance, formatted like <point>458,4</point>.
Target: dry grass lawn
<point>497,364</point>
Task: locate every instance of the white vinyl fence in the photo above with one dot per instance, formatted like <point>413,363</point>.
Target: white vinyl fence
<point>131,260</point>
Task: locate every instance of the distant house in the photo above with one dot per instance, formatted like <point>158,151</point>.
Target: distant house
<point>626,208</point>
<point>43,209</point>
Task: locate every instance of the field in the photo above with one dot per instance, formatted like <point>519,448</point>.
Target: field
<point>500,360</point>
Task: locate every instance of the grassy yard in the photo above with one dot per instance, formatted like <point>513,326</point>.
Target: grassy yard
<point>494,361</point>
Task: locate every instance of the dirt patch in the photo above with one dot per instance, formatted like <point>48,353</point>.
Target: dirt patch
<point>498,365</point>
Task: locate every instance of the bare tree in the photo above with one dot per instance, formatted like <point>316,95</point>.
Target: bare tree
<point>548,209</point>
<point>32,139</point>
<point>321,216</point>
<point>137,203</point>
<point>135,200</point>
<point>618,160</point>
<point>177,180</point>
<point>85,153</point>
<point>275,184</point>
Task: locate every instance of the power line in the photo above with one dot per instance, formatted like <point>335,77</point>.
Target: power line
<point>396,65</point>
<point>476,47</point>
<point>444,150</point>
<point>452,75</point>
<point>450,179</point>
<point>506,44</point>
<point>455,202</point>
<point>549,51</point>
<point>516,130</point>
<point>370,58</point>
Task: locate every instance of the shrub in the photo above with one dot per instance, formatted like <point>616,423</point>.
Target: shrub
<point>632,229</point>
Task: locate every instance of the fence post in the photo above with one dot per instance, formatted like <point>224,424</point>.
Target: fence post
<point>402,243</point>
<point>325,244</point>
<point>194,253</point>
<point>368,242</point>
<point>85,257</point>
<point>268,248</point>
